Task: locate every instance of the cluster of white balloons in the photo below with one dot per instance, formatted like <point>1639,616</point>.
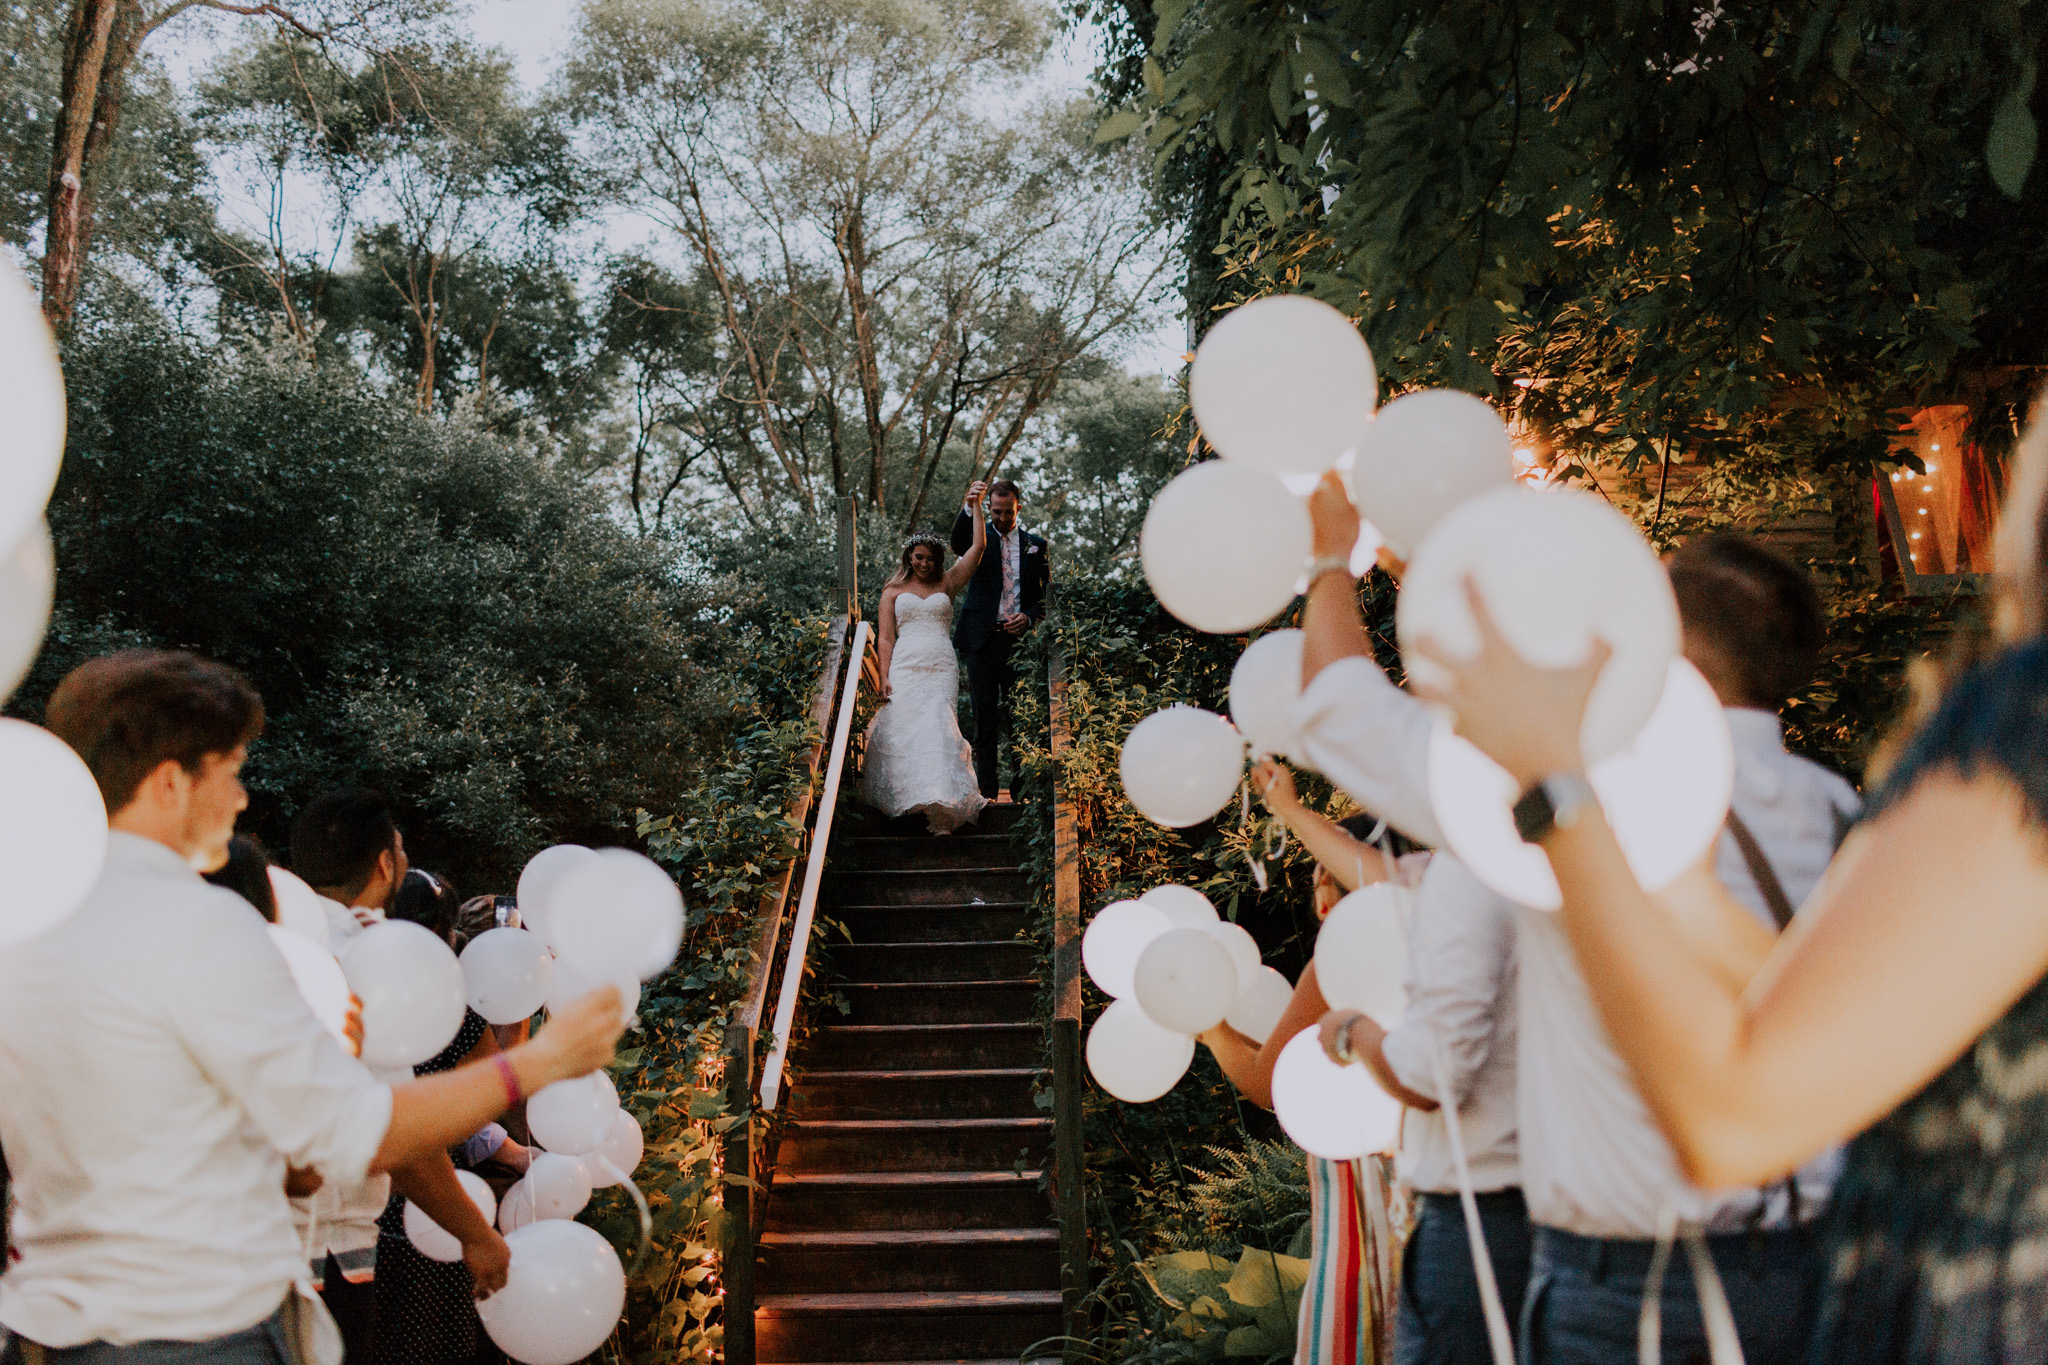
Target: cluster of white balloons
<point>53,824</point>
<point>1173,968</point>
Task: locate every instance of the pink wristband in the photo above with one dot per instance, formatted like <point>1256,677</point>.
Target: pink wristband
<point>513,1094</point>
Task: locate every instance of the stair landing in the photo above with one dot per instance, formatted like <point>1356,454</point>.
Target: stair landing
<point>907,1222</point>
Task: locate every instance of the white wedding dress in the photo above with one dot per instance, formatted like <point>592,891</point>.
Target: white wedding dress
<point>917,760</point>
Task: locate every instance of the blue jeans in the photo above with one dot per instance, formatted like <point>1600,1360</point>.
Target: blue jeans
<point>1586,1297</point>
<point>1441,1321</point>
<point>263,1344</point>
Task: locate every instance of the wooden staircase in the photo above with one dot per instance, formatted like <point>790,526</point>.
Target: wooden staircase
<point>906,1220</point>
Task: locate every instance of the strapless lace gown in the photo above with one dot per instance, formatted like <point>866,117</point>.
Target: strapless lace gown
<point>917,760</point>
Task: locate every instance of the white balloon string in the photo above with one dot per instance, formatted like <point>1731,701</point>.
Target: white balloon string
<point>1251,833</point>
<point>1650,1321</point>
<point>1724,1343</point>
<point>639,1202</point>
<point>1468,1199</point>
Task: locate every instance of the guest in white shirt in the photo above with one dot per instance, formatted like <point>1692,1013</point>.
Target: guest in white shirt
<point>159,1070</point>
<point>1597,1171</point>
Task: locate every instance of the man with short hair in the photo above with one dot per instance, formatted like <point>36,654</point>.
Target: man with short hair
<point>346,846</point>
<point>159,1070</point>
<point>1005,598</point>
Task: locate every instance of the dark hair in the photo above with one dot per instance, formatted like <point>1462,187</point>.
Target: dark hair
<point>1363,825</point>
<point>339,836</point>
<point>930,542</point>
<point>478,916</point>
<point>1005,486</point>
<point>1755,609</point>
<point>247,874</point>
<point>128,713</point>
<point>427,900</point>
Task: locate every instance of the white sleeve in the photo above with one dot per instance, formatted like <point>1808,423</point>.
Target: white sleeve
<point>1372,739</point>
<point>1459,964</point>
<point>244,1023</point>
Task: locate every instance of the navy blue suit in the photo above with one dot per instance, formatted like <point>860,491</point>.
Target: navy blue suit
<point>986,648</point>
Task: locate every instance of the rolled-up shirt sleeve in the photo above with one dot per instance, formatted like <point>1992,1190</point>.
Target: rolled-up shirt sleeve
<point>242,1020</point>
<point>1369,737</point>
<point>1460,963</point>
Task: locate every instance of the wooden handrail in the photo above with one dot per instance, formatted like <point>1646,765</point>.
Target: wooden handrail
<point>1069,1171</point>
<point>814,875</point>
<point>742,1167</point>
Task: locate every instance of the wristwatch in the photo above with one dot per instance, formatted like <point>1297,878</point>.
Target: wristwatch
<point>1552,803</point>
<point>1323,564</point>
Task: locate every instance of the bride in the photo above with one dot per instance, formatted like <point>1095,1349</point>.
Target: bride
<point>917,760</point>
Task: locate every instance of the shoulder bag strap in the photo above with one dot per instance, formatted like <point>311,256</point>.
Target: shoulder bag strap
<point>1760,870</point>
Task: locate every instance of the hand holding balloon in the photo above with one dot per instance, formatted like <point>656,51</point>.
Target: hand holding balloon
<point>352,1025</point>
<point>1274,782</point>
<point>578,1040</point>
<point>1523,716</point>
<point>489,1261</point>
<point>1333,521</point>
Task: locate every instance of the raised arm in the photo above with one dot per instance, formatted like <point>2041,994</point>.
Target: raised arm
<point>1876,987</point>
<point>1331,628</point>
<point>970,558</point>
<point>1353,862</point>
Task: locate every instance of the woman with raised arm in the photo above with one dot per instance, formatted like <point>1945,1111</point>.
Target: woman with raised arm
<point>917,761</point>
<point>1905,1004</point>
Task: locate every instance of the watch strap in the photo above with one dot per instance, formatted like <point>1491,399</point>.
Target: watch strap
<point>1323,564</point>
<point>1552,803</point>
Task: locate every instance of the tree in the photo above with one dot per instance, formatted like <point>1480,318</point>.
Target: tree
<point>425,606</point>
<point>889,265</point>
<point>102,40</point>
<point>1742,235</point>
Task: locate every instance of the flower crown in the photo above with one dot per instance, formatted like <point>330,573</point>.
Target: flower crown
<point>925,538</point>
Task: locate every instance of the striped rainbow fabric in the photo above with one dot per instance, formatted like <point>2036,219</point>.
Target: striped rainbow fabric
<point>1346,1306</point>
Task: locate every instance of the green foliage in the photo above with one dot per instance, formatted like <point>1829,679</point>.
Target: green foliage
<point>1242,1309</point>
<point>424,607</point>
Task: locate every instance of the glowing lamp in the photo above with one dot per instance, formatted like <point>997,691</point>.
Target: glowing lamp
<point>1337,1112</point>
<point>1665,795</point>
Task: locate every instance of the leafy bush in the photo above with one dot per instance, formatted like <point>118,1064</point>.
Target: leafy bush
<point>424,606</point>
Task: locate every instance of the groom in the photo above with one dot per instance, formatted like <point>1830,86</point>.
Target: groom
<point>1005,598</point>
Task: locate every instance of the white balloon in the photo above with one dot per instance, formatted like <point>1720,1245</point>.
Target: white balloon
<point>298,906</point>
<point>32,395</point>
<point>1185,981</point>
<point>538,879</point>
<point>28,585</point>
<point>1557,569</point>
<point>1238,942</point>
<point>1133,1058</point>
<point>507,973</point>
<point>1259,1005</point>
<point>318,977</point>
<point>1181,765</point>
<point>1365,551</point>
<point>559,1185</point>
<point>573,1116</point>
<point>411,989</point>
<point>435,1242</point>
<point>515,1210</point>
<point>1665,795</point>
<point>616,915</point>
<point>1184,907</point>
<point>1362,955</point>
<point>1285,383</point>
<point>1114,938</point>
<point>1337,1112</point>
<point>618,1156</point>
<point>571,984</point>
<point>1264,685</point>
<point>53,827</point>
<point>1424,454</point>
<point>562,1297</point>
<point>1223,546</point>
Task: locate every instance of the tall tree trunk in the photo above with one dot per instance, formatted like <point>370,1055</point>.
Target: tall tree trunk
<point>853,248</point>
<point>95,61</point>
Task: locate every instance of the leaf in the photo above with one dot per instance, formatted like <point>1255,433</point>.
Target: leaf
<point>1181,1276</point>
<point>1166,17</point>
<point>1155,80</point>
<point>1251,1341</point>
<point>1121,124</point>
<point>2009,150</point>
<point>1262,1277</point>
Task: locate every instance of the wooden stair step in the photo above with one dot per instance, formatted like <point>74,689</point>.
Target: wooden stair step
<point>896,853</point>
<point>924,1144</point>
<point>981,920</point>
<point>888,1325</point>
<point>902,1200</point>
<point>953,1301</point>
<point>925,886</point>
<point>935,961</point>
<point>952,1092</point>
<point>1008,1001</point>
<point>911,1046</point>
<point>892,1260</point>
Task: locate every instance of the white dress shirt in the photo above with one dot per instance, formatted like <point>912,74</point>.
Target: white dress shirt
<point>1593,1160</point>
<point>1461,989</point>
<point>157,1071</point>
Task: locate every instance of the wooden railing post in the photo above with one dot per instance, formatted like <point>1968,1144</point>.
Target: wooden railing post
<point>1069,1172</point>
<point>848,589</point>
<point>736,1233</point>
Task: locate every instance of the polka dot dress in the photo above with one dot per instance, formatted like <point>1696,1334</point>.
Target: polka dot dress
<point>426,1310</point>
